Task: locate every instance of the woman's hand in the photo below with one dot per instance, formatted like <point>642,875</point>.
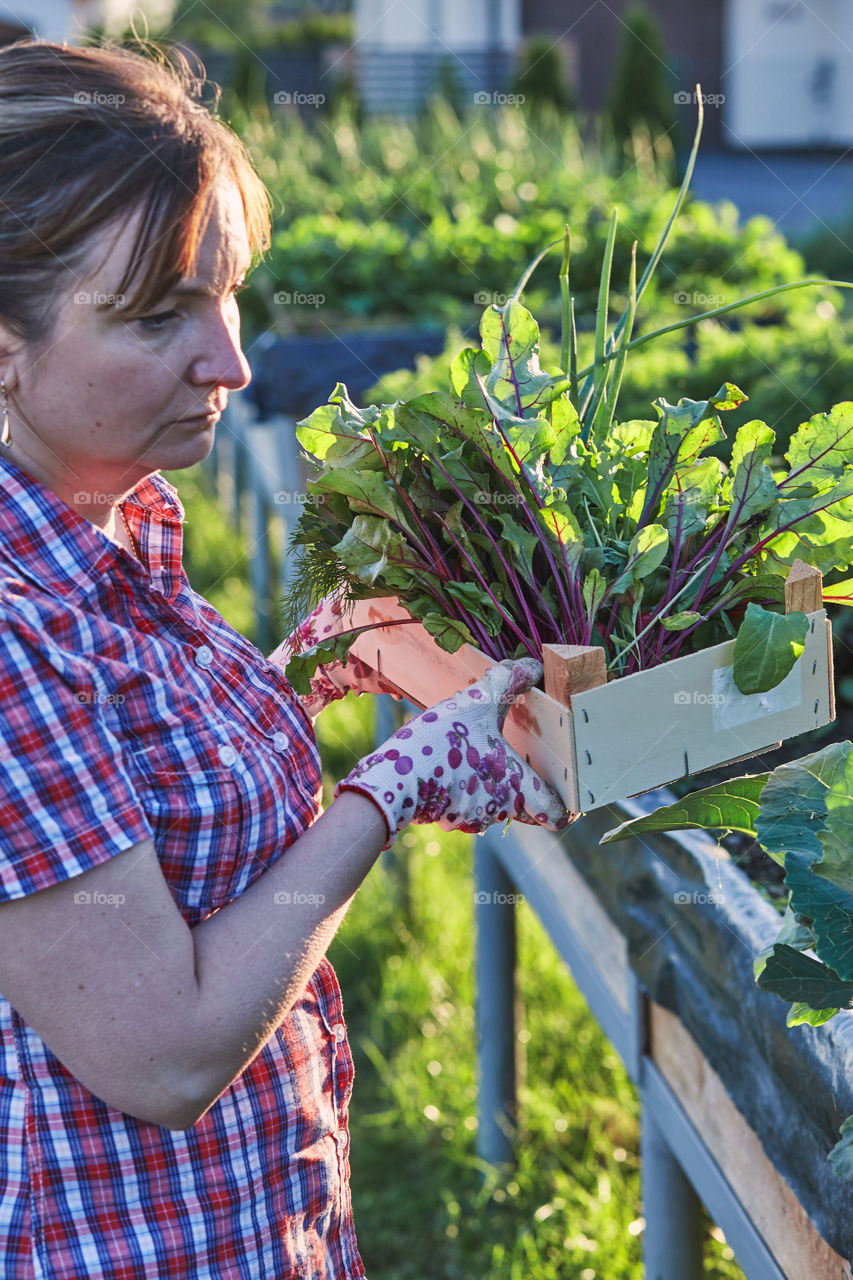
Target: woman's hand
<point>452,765</point>
<point>334,679</point>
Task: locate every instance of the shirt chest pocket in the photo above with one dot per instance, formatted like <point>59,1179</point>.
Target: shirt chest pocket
<point>199,796</point>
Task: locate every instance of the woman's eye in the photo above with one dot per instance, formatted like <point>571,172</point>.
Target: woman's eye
<point>157,321</point>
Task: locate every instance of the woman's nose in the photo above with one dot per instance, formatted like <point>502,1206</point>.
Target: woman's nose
<point>222,360</point>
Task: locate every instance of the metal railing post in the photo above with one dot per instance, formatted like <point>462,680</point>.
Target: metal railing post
<point>672,1248</point>
<point>496,991</point>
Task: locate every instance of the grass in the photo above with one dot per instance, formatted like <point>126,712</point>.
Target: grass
<point>425,1207</point>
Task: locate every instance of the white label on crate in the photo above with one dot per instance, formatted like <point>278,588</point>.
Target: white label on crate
<point>731,707</point>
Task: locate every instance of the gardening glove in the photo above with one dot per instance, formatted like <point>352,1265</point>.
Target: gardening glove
<point>452,765</point>
<point>334,679</point>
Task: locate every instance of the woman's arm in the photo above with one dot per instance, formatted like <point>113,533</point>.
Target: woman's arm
<point>156,1018</point>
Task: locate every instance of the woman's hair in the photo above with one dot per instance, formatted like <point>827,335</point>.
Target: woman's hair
<point>90,135</point>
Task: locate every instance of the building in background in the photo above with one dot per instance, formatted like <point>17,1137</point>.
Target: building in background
<point>407,48</point>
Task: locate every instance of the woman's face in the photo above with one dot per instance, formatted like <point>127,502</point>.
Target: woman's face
<point>108,400</point>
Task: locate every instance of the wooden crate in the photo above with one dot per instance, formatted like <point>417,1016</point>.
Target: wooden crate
<point>597,741</point>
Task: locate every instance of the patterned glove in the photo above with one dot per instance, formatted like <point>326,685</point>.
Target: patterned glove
<point>451,764</point>
<point>335,679</point>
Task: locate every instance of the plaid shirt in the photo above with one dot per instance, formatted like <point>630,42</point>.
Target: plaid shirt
<point>130,709</point>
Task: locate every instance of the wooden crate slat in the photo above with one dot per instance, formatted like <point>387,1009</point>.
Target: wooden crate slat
<point>627,736</point>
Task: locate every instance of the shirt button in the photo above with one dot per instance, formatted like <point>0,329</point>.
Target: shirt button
<point>339,1031</point>
<point>204,656</point>
<point>227,755</point>
<point>280,741</point>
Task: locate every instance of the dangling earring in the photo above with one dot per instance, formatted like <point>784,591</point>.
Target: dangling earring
<point>6,434</point>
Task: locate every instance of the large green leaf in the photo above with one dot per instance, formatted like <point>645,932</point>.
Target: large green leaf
<point>767,646</point>
<point>751,485</point>
<point>690,496</point>
<point>793,804</point>
<point>727,806</point>
<point>836,864</point>
<point>797,977</point>
<point>510,335</point>
<point>366,546</point>
<point>829,911</point>
<point>822,448</point>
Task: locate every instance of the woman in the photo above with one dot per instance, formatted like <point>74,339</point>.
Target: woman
<point>175,1074</point>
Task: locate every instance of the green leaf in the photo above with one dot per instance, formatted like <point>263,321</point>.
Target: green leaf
<point>680,621</point>
<point>799,978</point>
<point>836,864</point>
<point>727,806</point>
<point>593,591</point>
<point>693,492</point>
<point>822,448</point>
<point>646,551</point>
<point>365,546</point>
<point>795,932</point>
<point>751,487</point>
<point>368,492</point>
<point>465,369</point>
<point>448,633</point>
<point>510,336</point>
<point>767,646</point>
<point>841,1155</point>
<point>793,804</point>
<point>800,1013</point>
<point>684,431</point>
<point>302,666</point>
<point>477,603</point>
<point>566,424</point>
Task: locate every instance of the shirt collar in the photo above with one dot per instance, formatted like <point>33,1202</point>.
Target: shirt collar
<point>49,542</point>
